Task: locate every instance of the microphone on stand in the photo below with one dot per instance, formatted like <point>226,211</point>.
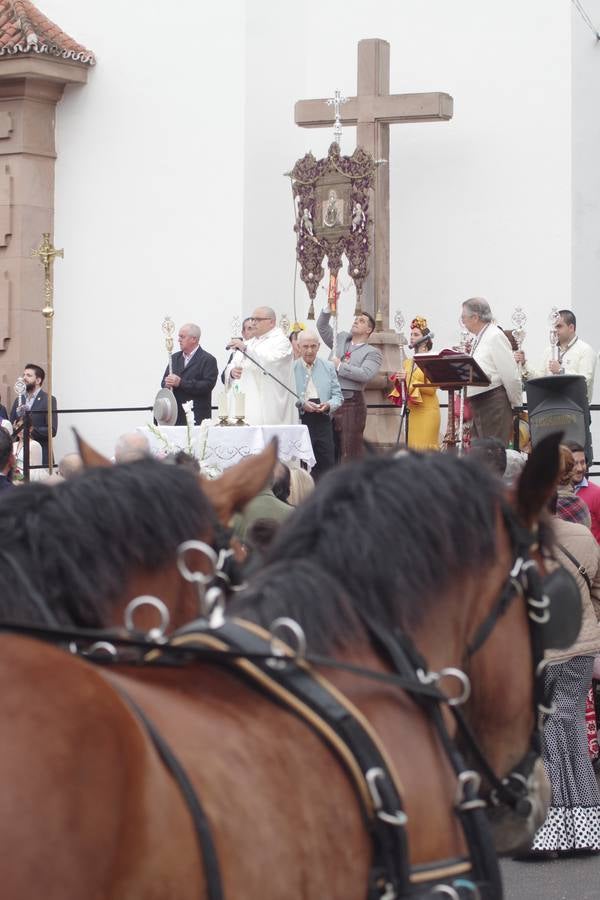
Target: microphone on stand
<point>423,340</point>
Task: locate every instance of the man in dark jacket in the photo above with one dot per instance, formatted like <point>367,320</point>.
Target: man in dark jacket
<point>194,375</point>
<point>35,401</point>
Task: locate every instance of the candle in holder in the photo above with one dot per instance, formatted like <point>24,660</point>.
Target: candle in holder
<point>222,409</point>
<point>239,405</point>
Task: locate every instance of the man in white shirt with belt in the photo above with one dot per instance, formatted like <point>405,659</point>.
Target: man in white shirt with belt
<point>492,404</point>
<point>572,356</point>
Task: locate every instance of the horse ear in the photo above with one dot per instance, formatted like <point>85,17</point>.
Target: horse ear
<point>239,484</point>
<point>91,458</point>
<point>538,479</point>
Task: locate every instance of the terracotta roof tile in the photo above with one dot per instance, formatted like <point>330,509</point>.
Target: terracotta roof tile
<point>24,29</point>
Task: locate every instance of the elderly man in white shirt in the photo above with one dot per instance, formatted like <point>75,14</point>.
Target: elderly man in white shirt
<point>571,357</point>
<point>268,401</point>
<point>493,404</point>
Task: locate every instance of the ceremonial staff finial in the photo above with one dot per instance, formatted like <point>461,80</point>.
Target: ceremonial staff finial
<point>336,101</point>
<point>399,323</point>
<point>168,328</point>
<point>47,253</point>
<point>553,321</point>
<point>519,319</point>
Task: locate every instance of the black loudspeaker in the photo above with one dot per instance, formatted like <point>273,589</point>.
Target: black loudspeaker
<point>559,403</point>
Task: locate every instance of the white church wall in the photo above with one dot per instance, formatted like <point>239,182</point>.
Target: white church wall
<point>586,187</point>
<point>149,186</point>
<point>480,205</point>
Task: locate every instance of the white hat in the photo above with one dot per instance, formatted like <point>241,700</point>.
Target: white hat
<point>165,407</point>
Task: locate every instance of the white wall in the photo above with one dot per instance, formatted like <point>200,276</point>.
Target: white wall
<point>480,205</point>
<point>586,187</point>
<point>148,199</point>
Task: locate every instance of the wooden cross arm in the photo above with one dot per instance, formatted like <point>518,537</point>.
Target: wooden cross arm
<point>387,109</point>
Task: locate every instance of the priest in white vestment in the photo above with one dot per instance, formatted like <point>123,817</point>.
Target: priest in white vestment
<point>267,402</point>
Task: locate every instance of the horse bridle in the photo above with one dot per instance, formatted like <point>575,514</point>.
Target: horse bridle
<point>540,596</point>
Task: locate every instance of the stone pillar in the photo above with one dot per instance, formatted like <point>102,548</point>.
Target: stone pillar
<point>382,424</point>
<point>30,88</point>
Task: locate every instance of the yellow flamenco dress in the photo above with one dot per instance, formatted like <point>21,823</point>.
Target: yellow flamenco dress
<point>424,406</point>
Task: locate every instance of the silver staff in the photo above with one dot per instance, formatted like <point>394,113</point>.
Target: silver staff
<point>553,321</point>
<point>519,319</point>
<point>464,344</point>
<point>20,391</point>
<point>168,327</point>
<point>399,323</point>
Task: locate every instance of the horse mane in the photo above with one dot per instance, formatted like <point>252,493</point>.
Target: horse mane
<point>66,551</point>
<point>386,535</point>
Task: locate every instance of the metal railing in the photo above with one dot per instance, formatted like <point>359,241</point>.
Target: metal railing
<point>594,407</point>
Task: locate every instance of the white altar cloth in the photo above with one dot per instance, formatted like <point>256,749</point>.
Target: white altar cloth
<point>219,448</point>
<point>227,446</point>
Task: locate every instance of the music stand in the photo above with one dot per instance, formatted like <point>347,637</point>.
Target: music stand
<point>450,372</point>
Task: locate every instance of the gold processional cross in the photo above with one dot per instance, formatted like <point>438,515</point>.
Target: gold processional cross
<point>47,253</point>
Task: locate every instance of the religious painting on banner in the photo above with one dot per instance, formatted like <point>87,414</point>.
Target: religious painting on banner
<point>331,198</point>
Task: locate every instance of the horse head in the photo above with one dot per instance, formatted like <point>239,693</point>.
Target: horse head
<point>542,610</point>
<point>427,550</point>
<point>80,551</point>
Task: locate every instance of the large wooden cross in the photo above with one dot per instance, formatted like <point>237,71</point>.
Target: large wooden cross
<point>373,110</point>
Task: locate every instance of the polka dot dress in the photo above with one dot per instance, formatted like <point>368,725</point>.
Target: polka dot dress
<point>573,820</point>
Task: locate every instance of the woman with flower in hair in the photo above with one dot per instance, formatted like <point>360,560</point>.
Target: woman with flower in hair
<point>422,399</point>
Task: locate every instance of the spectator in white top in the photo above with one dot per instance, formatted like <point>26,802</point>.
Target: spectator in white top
<point>492,404</point>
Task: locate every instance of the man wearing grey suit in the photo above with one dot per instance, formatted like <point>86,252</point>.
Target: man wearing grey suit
<point>320,395</point>
<point>356,364</point>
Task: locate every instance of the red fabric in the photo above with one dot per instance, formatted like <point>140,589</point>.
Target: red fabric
<point>467,411</point>
<point>591,496</point>
<point>398,394</point>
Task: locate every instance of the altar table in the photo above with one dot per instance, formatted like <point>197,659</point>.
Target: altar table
<point>221,447</point>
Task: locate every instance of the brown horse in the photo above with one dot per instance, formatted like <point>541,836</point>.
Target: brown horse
<point>421,544</point>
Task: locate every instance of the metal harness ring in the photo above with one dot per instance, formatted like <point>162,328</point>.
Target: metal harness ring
<point>284,623</point>
<point>397,818</point>
<point>427,678</point>
<point>196,576</point>
<point>155,634</point>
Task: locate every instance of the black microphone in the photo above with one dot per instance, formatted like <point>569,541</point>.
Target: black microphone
<point>228,346</point>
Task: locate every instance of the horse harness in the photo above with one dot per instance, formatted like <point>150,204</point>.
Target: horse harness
<point>286,674</point>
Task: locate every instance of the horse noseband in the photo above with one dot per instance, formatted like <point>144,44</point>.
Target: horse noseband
<point>554,606</point>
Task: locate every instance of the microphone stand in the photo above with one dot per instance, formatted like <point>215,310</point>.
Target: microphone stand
<point>26,448</point>
<point>270,374</point>
<point>404,415</point>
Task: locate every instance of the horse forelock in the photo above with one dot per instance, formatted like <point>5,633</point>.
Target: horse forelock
<point>388,535</point>
<point>74,544</point>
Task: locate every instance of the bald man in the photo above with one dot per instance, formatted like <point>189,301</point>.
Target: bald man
<point>194,375</point>
<point>267,401</point>
<point>320,395</point>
